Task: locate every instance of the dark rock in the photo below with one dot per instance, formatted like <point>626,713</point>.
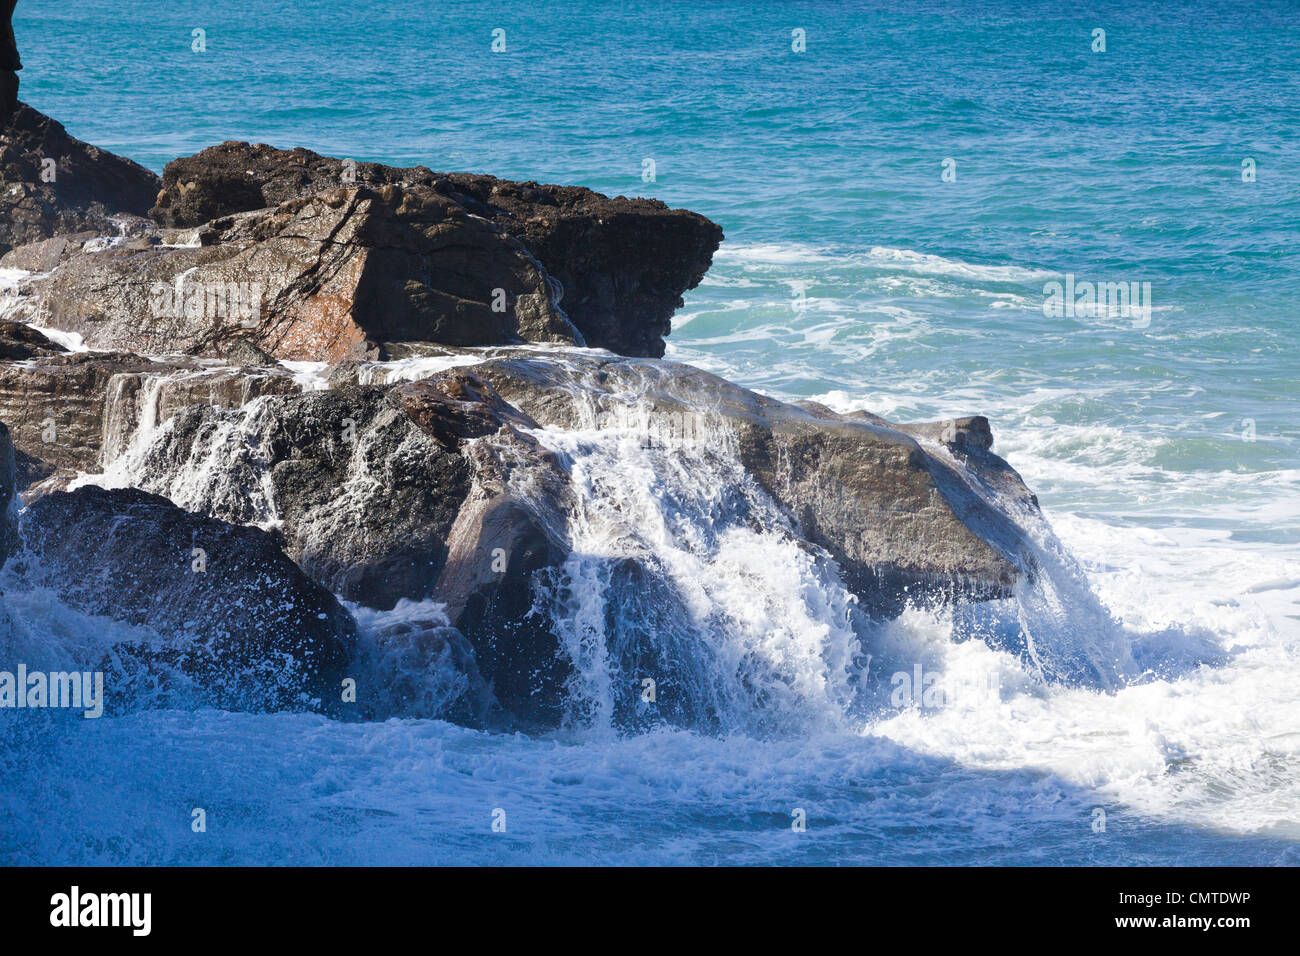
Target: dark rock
<point>363,496</point>
<point>508,538</point>
<point>235,177</point>
<point>429,490</point>
<point>623,263</point>
<point>332,276</point>
<point>234,617</point>
<point>138,401</point>
<point>89,189</point>
<point>9,64</point>
<point>19,342</point>
<point>443,492</point>
<point>245,352</point>
<point>423,669</point>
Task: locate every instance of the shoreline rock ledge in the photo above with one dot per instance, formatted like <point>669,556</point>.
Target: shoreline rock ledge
<point>472,348</point>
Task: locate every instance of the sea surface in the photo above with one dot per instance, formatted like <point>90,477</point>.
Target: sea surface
<point>1164,446</point>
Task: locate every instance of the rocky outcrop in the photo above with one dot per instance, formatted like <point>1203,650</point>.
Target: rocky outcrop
<point>238,624</point>
<point>331,276</point>
<point>308,257</point>
<point>516,518</point>
<point>441,489</point>
<point>53,184</point>
<point>623,263</point>
<point>903,520</point>
<point>75,412</point>
<point>427,490</point>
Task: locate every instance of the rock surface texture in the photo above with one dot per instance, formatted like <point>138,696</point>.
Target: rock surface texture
<point>623,263</point>
<point>52,184</point>
<point>232,613</point>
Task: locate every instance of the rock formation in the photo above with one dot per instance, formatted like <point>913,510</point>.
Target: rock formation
<point>73,412</point>
<point>437,458</point>
<point>901,520</point>
<point>233,615</point>
<point>441,489</point>
<point>331,276</point>
<point>623,263</point>
<point>52,184</point>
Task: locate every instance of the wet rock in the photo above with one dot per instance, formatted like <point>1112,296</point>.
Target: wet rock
<point>423,669</point>
<point>444,492</point>
<point>427,490</point>
<point>19,342</point>
<point>138,401</point>
<point>45,254</point>
<point>363,496</point>
<point>76,412</point>
<point>54,405</point>
<point>508,539</point>
<point>239,625</point>
<point>904,520</point>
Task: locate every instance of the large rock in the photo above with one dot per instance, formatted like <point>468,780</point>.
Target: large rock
<point>363,496</point>
<point>19,342</point>
<point>508,539</point>
<point>623,263</point>
<point>238,625</point>
<point>904,520</point>
<point>51,183</point>
<point>426,490</point>
<point>331,276</point>
<point>443,489</point>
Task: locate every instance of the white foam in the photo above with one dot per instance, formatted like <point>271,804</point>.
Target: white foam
<point>769,254</point>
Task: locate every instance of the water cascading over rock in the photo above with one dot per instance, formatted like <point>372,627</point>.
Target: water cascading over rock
<point>423,414</point>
